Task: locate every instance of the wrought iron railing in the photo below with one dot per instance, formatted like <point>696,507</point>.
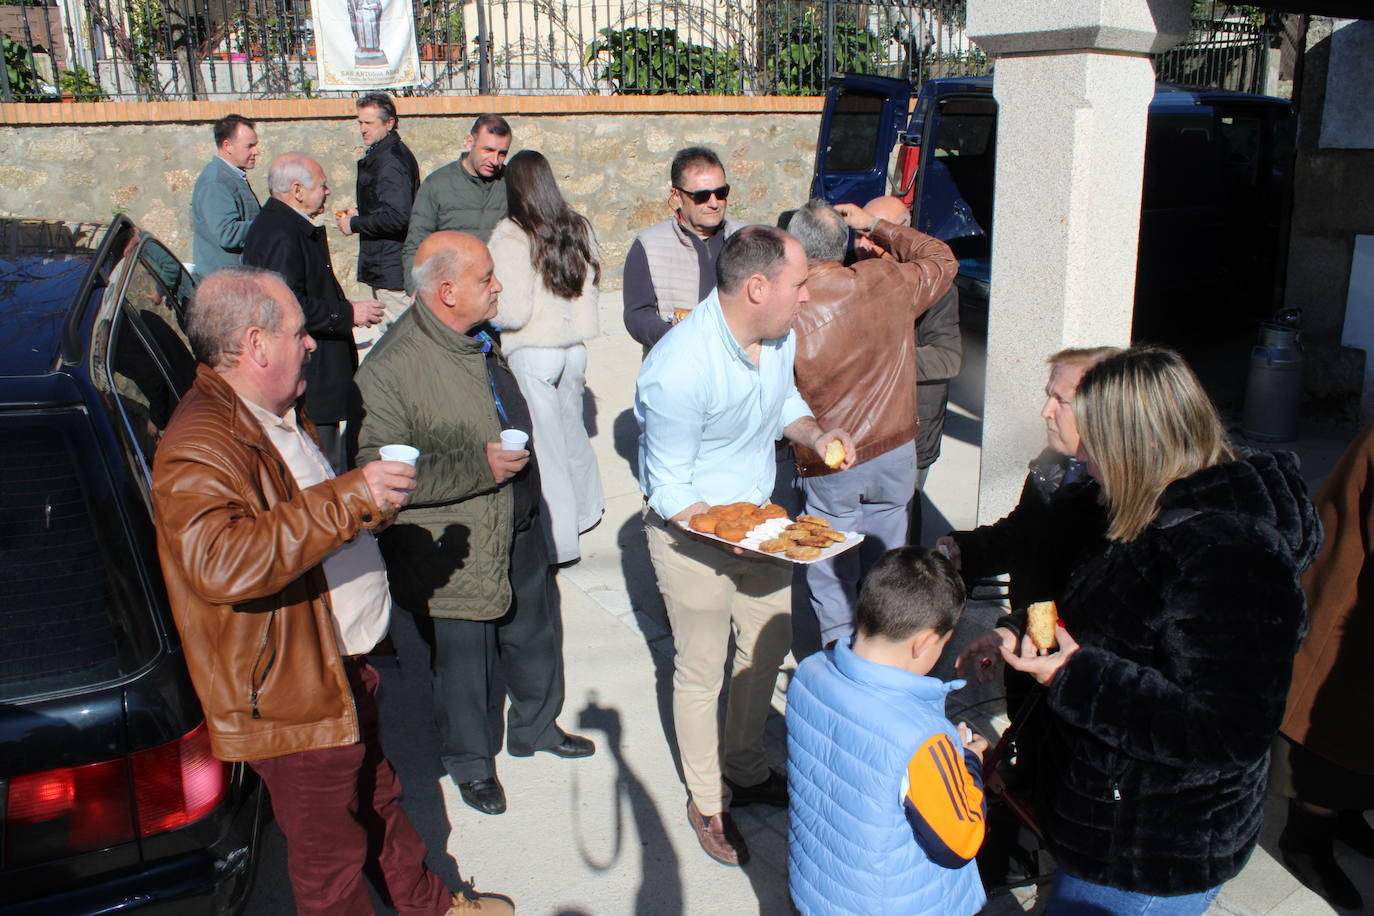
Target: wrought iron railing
<point>215,49</point>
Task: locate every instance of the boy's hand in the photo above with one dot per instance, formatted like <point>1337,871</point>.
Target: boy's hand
<point>972,740</point>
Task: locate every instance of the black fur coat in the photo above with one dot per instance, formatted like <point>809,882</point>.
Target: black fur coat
<point>1165,715</point>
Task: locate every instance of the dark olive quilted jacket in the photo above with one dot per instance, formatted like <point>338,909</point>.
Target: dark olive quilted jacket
<point>448,552</point>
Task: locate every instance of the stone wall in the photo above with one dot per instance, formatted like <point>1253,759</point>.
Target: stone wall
<point>1333,201</point>
<point>612,167</point>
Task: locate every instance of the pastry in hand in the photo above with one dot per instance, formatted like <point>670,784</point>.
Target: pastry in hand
<point>834,454</point>
<point>1041,619</point>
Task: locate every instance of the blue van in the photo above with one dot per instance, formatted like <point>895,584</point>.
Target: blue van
<point>1216,171</point>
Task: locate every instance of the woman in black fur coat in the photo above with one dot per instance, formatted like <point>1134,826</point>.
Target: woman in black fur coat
<point>1172,686</point>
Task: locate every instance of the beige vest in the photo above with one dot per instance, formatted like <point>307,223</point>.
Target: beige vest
<point>673,264</point>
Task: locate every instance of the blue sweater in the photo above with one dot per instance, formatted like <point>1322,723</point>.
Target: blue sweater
<point>886,809</point>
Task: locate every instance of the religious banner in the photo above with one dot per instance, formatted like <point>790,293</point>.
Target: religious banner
<point>365,44</point>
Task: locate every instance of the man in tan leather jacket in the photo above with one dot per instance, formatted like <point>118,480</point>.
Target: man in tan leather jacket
<point>856,368</point>
<point>278,591</point>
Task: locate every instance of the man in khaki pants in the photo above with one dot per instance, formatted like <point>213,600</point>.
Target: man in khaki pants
<point>713,396</point>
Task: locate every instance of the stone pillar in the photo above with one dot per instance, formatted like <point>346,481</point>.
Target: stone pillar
<point>1073,81</point>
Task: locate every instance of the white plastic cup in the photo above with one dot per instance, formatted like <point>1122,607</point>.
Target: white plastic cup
<point>513,440</point>
<point>407,453</point>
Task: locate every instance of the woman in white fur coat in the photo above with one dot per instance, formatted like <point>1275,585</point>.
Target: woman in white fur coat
<point>546,260</point>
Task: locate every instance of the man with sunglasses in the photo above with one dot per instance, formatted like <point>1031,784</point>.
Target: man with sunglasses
<point>672,265</point>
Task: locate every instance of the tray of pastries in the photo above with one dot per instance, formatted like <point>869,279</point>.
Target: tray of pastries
<point>768,530</point>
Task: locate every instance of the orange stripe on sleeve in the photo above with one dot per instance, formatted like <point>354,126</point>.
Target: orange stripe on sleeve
<point>946,796</point>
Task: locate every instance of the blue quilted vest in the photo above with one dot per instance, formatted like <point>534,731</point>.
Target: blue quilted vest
<point>852,727</point>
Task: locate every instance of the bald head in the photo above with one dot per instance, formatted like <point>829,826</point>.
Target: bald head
<point>892,209</point>
<point>455,279</point>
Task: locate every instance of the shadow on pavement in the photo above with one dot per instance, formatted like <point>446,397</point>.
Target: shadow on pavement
<point>660,889</point>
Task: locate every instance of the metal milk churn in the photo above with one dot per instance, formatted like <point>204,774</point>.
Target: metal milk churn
<point>1273,391</point>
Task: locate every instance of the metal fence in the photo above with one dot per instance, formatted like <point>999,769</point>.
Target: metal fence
<point>90,50</point>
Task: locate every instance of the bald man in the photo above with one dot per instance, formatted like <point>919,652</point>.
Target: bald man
<point>939,357</point>
<point>470,559</point>
<point>286,237</point>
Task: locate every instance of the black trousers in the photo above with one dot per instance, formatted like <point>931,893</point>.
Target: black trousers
<point>478,663</point>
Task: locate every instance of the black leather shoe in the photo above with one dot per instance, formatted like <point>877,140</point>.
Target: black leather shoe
<point>569,748</point>
<point>772,791</point>
<point>486,795</point>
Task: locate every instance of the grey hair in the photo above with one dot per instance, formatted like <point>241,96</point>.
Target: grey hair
<point>225,304</point>
<point>821,229</point>
<point>444,264</point>
<point>287,169</point>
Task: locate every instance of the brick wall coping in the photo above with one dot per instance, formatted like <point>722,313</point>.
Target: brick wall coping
<point>58,113</point>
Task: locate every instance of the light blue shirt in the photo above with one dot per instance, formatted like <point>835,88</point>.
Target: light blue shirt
<point>708,417</point>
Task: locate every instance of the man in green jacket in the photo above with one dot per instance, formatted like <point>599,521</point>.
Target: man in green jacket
<point>467,556</point>
<point>467,195</point>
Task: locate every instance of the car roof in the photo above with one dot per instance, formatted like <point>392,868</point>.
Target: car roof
<point>1166,94</point>
<point>45,268</point>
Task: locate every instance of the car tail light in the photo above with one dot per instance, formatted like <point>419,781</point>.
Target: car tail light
<point>908,161</point>
<point>73,809</point>
<point>177,783</point>
<point>68,810</point>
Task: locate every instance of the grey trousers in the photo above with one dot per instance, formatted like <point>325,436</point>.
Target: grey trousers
<point>873,498</point>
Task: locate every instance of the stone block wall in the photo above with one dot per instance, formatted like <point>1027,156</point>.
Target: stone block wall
<point>611,163</point>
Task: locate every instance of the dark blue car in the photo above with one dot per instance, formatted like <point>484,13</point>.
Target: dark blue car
<point>1216,172</point>
<point>109,796</point>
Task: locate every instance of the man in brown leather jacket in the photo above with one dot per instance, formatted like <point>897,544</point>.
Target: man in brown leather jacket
<point>278,591</point>
<point>856,368</point>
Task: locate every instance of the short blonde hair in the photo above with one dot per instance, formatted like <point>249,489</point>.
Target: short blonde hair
<point>1080,356</point>
<point>1145,422</point>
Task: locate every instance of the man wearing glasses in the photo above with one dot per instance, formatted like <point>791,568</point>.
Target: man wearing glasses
<point>672,265</point>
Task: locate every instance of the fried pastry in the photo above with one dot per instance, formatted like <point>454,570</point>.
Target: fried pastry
<point>731,531</point>
<point>834,454</point>
<point>813,520</point>
<point>802,552</point>
<point>775,545</point>
<point>1041,618</point>
<point>814,541</point>
<point>705,523</point>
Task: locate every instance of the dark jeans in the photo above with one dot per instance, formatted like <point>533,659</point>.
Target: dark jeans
<point>335,803</point>
<point>477,663</point>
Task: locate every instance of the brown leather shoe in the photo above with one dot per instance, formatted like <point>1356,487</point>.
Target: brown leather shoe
<point>481,905</point>
<point>718,836</point>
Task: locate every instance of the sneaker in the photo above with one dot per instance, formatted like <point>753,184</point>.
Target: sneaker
<point>471,903</point>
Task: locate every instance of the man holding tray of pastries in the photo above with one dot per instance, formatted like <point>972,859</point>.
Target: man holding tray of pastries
<point>713,396</point>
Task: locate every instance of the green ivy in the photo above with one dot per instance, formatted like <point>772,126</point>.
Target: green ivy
<point>81,85</point>
<point>654,61</point>
<point>795,59</point>
<point>25,83</point>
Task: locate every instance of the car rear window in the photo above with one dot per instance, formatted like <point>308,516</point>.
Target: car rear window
<point>72,611</point>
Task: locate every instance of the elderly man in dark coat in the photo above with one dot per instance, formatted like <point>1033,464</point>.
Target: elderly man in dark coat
<point>1323,760</point>
<point>285,237</point>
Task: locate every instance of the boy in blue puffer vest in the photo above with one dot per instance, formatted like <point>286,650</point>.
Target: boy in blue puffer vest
<point>887,808</point>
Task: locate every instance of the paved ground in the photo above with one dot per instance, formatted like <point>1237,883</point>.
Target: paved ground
<point>608,835</point>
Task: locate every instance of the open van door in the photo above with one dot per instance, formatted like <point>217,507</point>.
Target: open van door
<point>862,118</point>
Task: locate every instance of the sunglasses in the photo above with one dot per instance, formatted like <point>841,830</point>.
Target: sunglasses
<point>701,197</point>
